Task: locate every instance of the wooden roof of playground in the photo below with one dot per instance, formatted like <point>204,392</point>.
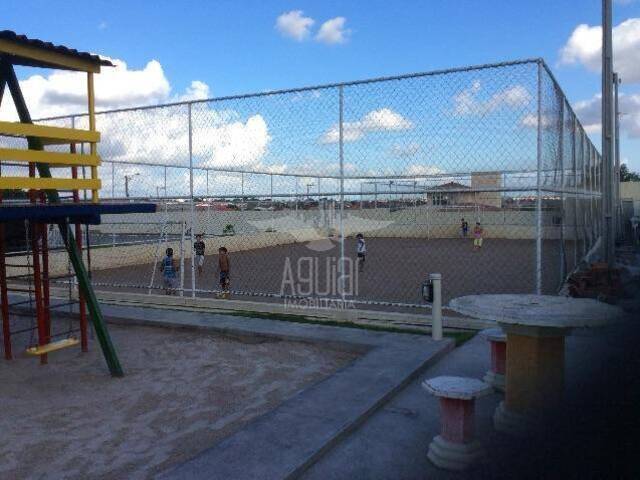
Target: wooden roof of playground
<point>32,52</point>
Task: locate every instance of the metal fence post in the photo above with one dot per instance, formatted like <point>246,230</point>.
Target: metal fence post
<point>592,220</point>
<point>574,128</point>
<point>585,211</point>
<point>561,123</point>
<point>193,214</point>
<point>436,306</point>
<point>539,187</point>
<point>341,153</point>
<point>617,224</point>
<point>271,188</point>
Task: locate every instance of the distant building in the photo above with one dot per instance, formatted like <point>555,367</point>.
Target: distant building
<point>484,191</point>
<point>450,193</point>
<point>487,181</point>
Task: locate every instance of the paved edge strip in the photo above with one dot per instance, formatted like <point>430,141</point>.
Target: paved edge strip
<point>286,441</point>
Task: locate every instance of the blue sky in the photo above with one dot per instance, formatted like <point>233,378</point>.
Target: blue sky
<point>234,46</point>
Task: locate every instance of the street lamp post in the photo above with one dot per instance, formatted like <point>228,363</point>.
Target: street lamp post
<point>607,134</point>
<point>126,183</point>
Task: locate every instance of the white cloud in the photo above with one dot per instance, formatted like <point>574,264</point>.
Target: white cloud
<point>64,92</point>
<point>333,31</point>
<point>589,112</point>
<point>530,120</point>
<point>222,138</point>
<point>383,119</point>
<point>405,150</point>
<point>294,25</point>
<point>236,144</point>
<point>196,91</point>
<point>585,47</point>
<point>421,170</point>
<point>468,102</point>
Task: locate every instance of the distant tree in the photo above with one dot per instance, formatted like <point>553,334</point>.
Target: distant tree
<point>628,176</point>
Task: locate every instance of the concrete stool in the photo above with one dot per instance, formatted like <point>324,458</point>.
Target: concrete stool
<point>497,339</point>
<point>455,447</point>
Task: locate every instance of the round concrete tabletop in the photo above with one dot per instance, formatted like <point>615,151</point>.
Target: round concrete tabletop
<point>494,335</point>
<point>538,310</point>
<point>461,388</point>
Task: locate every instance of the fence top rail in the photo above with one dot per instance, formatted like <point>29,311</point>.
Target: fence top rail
<point>311,87</point>
<point>324,176</point>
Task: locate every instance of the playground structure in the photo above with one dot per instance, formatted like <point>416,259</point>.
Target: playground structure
<point>400,158</point>
<point>31,201</point>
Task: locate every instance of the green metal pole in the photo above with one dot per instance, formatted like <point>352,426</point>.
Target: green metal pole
<point>100,326</point>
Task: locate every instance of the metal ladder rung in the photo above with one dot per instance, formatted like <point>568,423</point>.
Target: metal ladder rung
<point>59,305</point>
<point>62,275</point>
<point>23,275</point>
<point>20,303</point>
<point>66,332</point>
<point>24,330</point>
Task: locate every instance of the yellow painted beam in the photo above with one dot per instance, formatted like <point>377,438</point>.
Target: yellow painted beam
<point>53,346</point>
<point>48,134</point>
<point>35,56</point>
<point>38,183</point>
<point>53,158</point>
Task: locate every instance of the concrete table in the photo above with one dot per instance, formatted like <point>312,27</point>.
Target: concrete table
<point>535,326</point>
<point>497,339</point>
<point>455,447</point>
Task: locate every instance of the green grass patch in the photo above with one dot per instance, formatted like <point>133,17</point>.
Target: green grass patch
<point>460,337</point>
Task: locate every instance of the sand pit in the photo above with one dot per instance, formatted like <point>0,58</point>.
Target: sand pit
<point>183,391</point>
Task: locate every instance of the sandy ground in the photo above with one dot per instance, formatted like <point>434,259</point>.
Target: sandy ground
<point>182,392</point>
<point>394,270</point>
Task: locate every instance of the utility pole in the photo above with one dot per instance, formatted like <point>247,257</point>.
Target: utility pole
<point>616,176</point>
<point>607,133</point>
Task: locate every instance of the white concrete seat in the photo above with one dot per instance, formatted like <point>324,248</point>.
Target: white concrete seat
<point>495,376</point>
<point>455,447</point>
<point>462,388</point>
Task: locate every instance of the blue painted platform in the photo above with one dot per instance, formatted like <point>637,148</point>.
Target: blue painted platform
<point>74,212</point>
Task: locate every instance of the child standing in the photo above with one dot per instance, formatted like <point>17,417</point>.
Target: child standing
<point>477,236</point>
<point>169,267</point>
<point>199,247</point>
<point>464,228</point>
<point>223,265</point>
<point>361,250</point>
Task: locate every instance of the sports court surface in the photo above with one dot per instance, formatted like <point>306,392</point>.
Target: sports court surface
<point>394,269</point>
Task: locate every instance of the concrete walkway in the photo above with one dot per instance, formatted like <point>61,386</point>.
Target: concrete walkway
<point>582,442</point>
<point>393,443</point>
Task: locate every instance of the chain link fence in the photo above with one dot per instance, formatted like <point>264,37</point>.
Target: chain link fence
<point>483,174</point>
